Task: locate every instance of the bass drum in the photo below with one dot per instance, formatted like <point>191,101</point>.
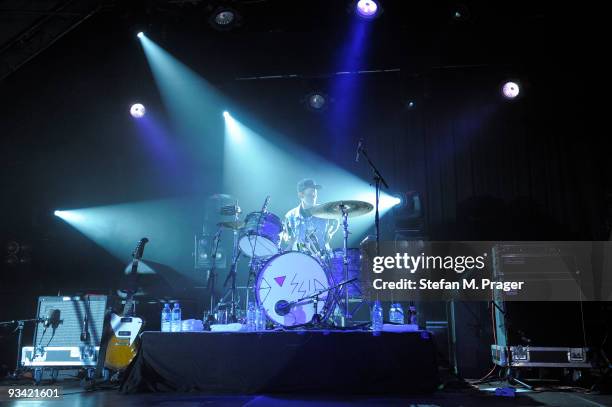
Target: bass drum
<point>289,277</point>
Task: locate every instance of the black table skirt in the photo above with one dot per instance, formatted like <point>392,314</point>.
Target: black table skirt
<point>270,362</point>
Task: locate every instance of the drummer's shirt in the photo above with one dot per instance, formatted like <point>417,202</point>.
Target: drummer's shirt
<point>299,224</point>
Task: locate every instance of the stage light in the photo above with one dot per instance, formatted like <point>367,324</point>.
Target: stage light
<point>117,228</point>
<point>232,130</point>
<point>317,101</point>
<point>410,105</point>
<point>367,9</point>
<point>224,19</point>
<point>511,90</point>
<point>387,201</point>
<point>69,216</point>
<point>278,163</point>
<point>461,13</point>
<point>397,200</point>
<point>137,110</point>
<point>140,34</point>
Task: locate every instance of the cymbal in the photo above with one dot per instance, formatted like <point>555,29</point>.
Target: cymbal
<point>231,225</point>
<point>333,210</point>
<point>230,210</point>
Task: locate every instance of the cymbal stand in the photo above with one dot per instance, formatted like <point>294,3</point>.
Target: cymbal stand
<point>254,263</point>
<point>347,314</point>
<point>213,272</point>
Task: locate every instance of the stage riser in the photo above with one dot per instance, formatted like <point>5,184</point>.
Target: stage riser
<point>272,362</point>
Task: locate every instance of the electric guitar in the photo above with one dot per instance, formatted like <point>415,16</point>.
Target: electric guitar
<point>122,346</point>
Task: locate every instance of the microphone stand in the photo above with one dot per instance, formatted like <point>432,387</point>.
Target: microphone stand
<point>316,321</point>
<point>378,179</point>
<point>252,276</point>
<point>213,273</point>
<point>20,324</point>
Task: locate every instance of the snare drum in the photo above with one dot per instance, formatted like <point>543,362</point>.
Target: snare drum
<point>261,232</point>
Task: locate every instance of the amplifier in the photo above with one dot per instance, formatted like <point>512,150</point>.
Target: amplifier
<point>71,331</point>
<point>538,323</point>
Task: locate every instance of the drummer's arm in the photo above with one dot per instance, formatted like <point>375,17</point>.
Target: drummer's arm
<point>332,228</point>
<point>288,237</point>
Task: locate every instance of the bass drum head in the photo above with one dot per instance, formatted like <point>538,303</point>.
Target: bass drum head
<point>289,277</point>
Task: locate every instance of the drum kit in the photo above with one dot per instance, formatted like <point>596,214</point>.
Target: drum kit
<point>295,288</point>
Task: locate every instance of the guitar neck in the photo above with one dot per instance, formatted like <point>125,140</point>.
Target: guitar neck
<point>128,308</point>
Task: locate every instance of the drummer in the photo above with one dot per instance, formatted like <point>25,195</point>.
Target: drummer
<point>304,232</point>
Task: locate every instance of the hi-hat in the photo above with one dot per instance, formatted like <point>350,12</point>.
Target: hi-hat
<point>336,209</point>
<point>231,225</point>
<point>230,210</point>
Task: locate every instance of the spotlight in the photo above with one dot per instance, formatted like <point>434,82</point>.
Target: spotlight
<point>137,110</point>
<point>69,216</point>
<point>140,34</point>
<point>226,114</point>
<point>410,104</point>
<point>461,13</point>
<point>397,200</point>
<point>224,19</point>
<point>317,101</point>
<point>511,90</point>
<point>367,9</point>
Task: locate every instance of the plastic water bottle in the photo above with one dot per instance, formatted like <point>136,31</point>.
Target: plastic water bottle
<point>260,319</point>
<point>377,317</point>
<point>251,317</point>
<point>396,313</point>
<point>166,318</point>
<point>392,313</point>
<point>413,315</point>
<point>176,318</point>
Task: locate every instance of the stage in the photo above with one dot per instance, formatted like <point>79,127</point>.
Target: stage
<point>280,362</point>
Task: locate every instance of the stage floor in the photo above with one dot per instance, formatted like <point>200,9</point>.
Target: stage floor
<point>74,395</point>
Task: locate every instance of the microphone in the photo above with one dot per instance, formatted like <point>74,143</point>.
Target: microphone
<point>358,150</point>
<point>53,318</point>
<point>85,330</point>
<point>282,307</point>
<point>264,209</point>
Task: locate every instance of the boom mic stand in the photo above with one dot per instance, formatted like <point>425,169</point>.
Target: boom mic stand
<point>20,325</point>
<point>378,179</point>
<point>213,274</point>
<point>232,276</point>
